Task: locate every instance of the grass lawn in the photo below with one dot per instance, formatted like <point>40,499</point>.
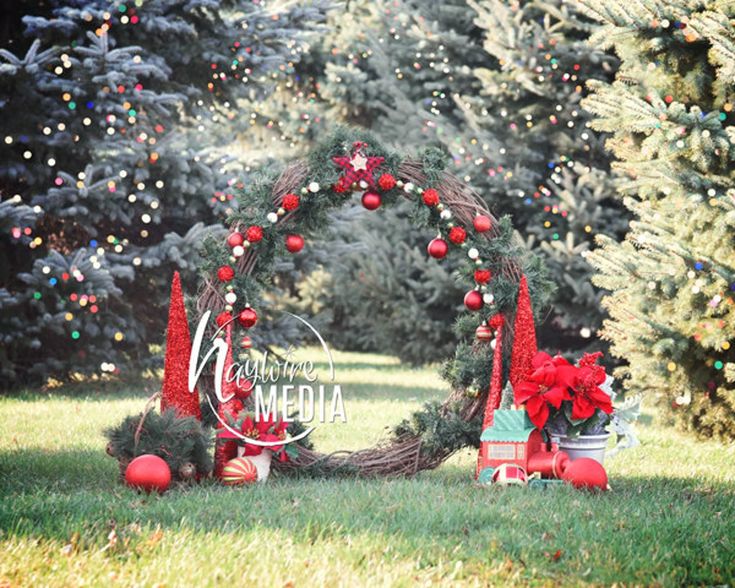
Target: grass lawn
<point>65,519</point>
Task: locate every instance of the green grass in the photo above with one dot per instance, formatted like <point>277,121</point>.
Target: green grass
<point>670,519</point>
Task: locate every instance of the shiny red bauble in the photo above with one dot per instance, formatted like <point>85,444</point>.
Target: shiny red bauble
<point>235,239</point>
<point>371,200</point>
<point>473,300</point>
<point>148,473</point>
<point>294,243</point>
<point>482,223</point>
<point>247,318</point>
<point>586,473</point>
<point>437,248</point>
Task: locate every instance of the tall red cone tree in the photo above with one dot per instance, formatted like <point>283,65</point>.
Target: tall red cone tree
<point>524,336</point>
<point>175,393</point>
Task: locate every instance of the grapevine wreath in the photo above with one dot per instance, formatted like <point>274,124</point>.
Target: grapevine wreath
<point>277,213</point>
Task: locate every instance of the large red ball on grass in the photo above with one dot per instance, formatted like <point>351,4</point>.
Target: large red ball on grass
<point>371,200</point>
<point>438,248</point>
<point>473,300</point>
<point>586,473</point>
<point>148,473</point>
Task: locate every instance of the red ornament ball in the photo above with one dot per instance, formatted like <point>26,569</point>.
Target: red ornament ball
<point>482,223</point>
<point>294,243</point>
<point>235,239</point>
<point>457,235</point>
<point>223,318</point>
<point>148,473</point>
<point>371,200</point>
<point>482,276</point>
<point>247,318</point>
<point>473,300</point>
<point>386,182</point>
<point>430,197</point>
<point>254,234</point>
<point>483,333</point>
<point>246,342</point>
<point>437,248</point>
<point>238,471</point>
<point>290,202</point>
<point>586,473</point>
<point>225,273</point>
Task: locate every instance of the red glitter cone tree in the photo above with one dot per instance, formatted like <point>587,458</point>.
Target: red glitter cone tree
<point>175,392</point>
<point>524,336</point>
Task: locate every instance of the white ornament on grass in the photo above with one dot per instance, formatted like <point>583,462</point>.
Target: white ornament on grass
<point>262,462</point>
<point>272,217</point>
<point>313,187</point>
<point>473,253</point>
<point>230,298</point>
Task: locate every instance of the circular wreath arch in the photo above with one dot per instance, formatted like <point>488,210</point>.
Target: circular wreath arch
<point>325,181</point>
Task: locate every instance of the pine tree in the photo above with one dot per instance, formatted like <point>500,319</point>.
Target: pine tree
<point>116,160</point>
<point>673,277</point>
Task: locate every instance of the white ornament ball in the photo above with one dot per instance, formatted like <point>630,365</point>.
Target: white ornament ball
<point>363,184</point>
<point>445,214</point>
<point>473,253</point>
<point>313,187</point>
<point>272,217</point>
<point>230,298</point>
<point>408,187</point>
<point>238,251</point>
<point>488,298</point>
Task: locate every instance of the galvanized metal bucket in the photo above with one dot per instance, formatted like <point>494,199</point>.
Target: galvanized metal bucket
<point>592,446</point>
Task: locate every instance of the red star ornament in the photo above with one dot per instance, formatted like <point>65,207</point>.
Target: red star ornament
<point>358,167</point>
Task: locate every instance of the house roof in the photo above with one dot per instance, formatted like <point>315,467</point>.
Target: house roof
<point>509,426</point>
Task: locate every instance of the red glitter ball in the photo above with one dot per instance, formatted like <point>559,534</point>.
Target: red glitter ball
<point>386,182</point>
<point>431,197</point>
<point>223,318</point>
<point>225,273</point>
<point>290,202</point>
<point>254,233</point>
<point>457,235</point>
<point>482,276</point>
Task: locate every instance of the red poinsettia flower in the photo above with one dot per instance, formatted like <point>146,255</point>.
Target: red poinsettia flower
<point>548,384</point>
<point>276,432</point>
<point>588,395</point>
<point>251,430</point>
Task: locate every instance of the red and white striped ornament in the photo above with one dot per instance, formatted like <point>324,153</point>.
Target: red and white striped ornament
<point>238,471</point>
